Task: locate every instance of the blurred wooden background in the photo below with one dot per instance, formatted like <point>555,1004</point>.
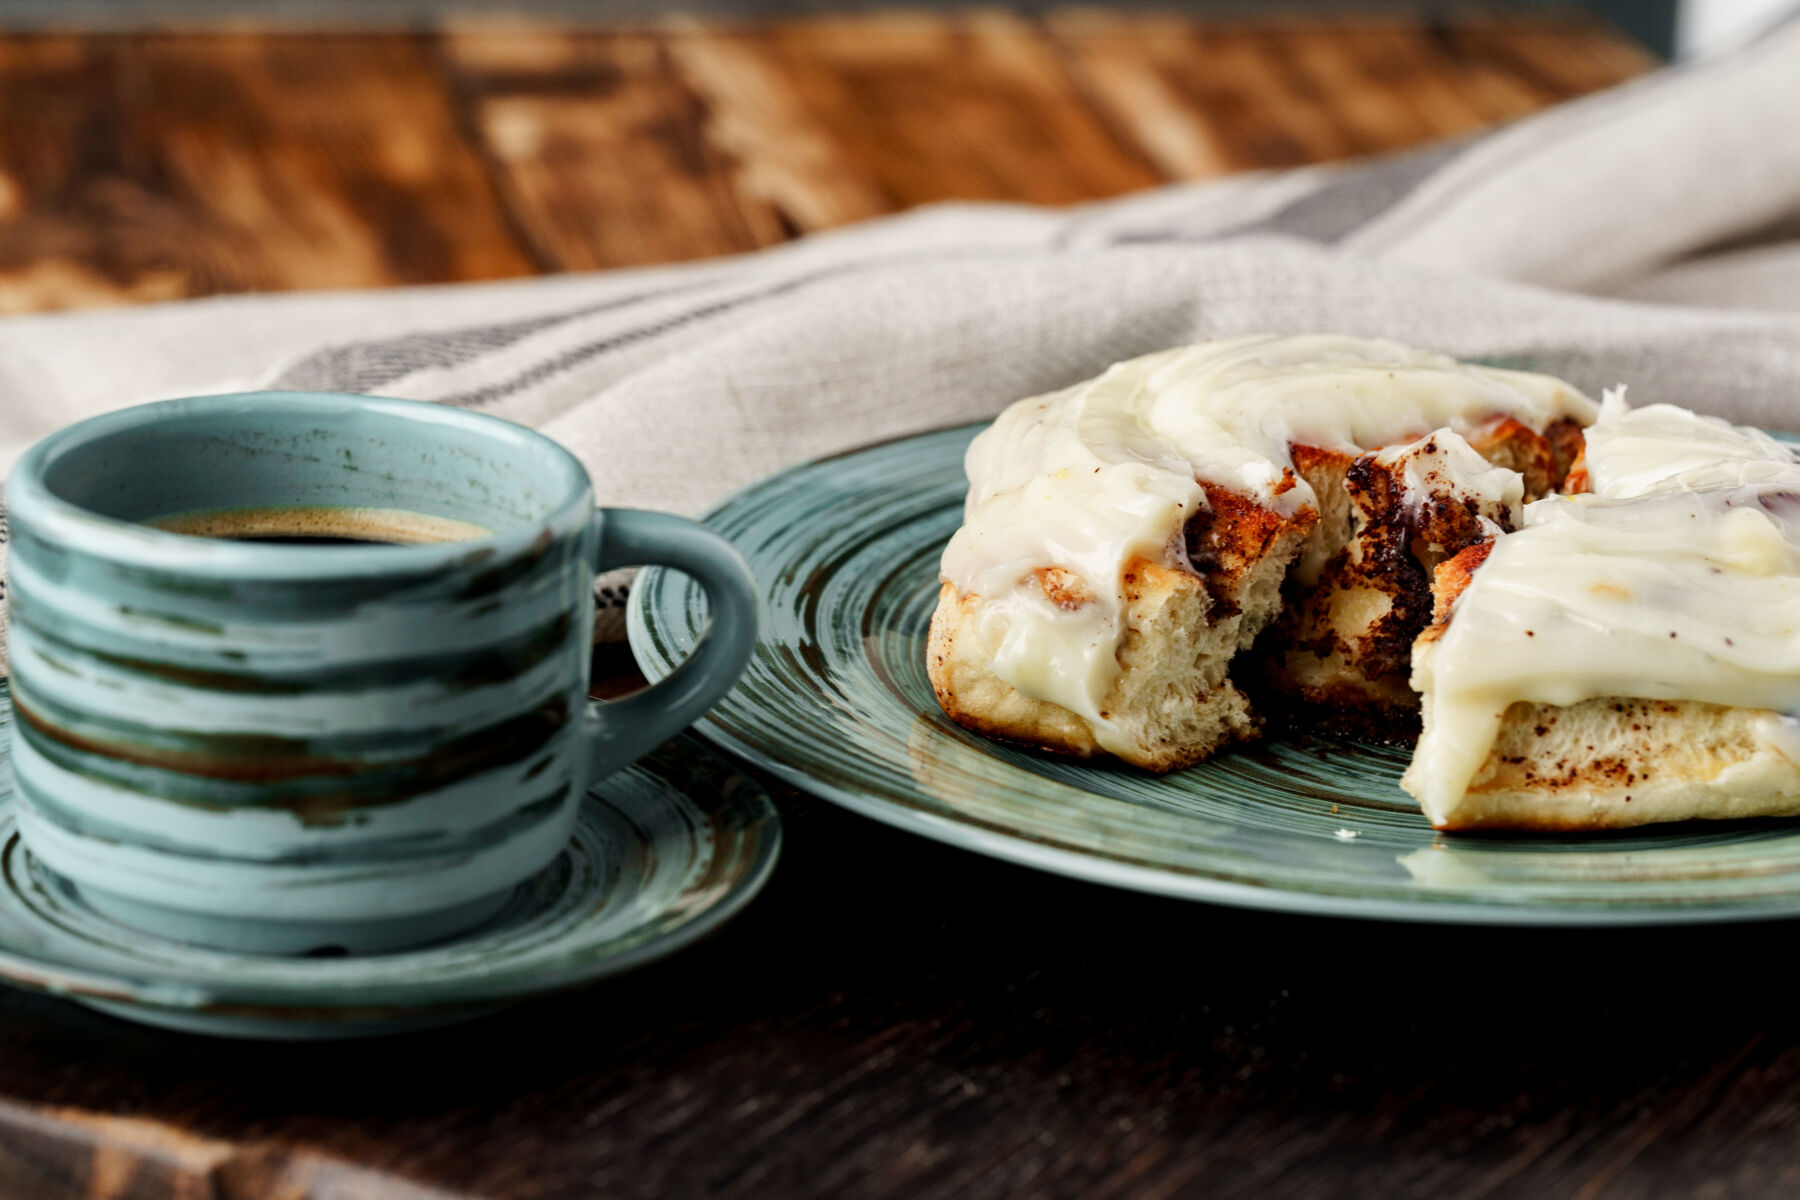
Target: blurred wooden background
<point>153,166</point>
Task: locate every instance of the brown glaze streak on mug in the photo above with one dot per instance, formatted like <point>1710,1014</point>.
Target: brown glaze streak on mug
<point>266,760</point>
<point>478,669</point>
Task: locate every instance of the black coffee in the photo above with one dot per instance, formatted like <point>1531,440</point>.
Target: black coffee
<point>297,539</point>
<point>320,525</point>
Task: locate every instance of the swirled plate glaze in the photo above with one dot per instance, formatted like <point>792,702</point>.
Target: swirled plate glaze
<point>664,852</point>
<point>837,702</point>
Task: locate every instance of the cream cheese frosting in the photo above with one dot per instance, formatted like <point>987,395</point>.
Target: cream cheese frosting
<point>1443,464</point>
<point>1677,578</point>
<point>1090,478</point>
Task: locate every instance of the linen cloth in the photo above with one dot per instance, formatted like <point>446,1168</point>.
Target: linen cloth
<point>1649,235</point>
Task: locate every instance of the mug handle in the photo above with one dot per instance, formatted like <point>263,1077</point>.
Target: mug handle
<point>621,731</point>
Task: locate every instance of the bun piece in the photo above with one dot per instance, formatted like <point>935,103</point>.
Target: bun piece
<point>1632,653</point>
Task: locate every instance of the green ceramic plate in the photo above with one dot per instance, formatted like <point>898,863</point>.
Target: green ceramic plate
<point>664,852</point>
<point>837,702</point>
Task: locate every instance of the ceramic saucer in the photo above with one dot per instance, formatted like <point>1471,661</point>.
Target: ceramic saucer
<point>664,852</point>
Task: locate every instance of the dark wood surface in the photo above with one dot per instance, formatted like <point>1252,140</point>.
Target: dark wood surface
<point>163,165</point>
<point>892,1018</point>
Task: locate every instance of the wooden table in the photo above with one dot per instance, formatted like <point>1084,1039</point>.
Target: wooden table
<point>153,167</point>
<point>892,1018</point>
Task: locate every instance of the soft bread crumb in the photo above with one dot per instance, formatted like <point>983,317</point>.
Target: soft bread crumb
<point>1172,701</point>
<point>1614,762</point>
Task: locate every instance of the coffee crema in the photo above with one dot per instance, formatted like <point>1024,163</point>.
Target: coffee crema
<point>321,525</point>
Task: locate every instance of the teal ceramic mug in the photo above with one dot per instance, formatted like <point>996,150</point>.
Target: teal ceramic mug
<point>305,748</point>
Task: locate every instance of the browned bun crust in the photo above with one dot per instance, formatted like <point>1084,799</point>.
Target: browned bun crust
<point>1576,482</point>
<point>1612,762</point>
<point>977,699</point>
<point>1451,577</point>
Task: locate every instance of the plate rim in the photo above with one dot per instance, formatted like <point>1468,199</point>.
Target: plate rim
<point>642,631</point>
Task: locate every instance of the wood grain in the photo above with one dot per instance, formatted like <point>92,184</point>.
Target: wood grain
<point>605,153</point>
<point>1557,59</point>
<point>931,107</point>
<point>151,167</point>
<point>155,167</point>
<point>1206,99</point>
<point>694,139</point>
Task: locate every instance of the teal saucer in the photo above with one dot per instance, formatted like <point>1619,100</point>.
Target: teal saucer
<point>664,852</point>
<point>836,700</point>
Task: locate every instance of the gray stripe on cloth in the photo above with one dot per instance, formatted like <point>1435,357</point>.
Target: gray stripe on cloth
<point>571,358</point>
<point>362,366</point>
<point>1346,203</point>
<point>367,366</point>
<point>371,366</point>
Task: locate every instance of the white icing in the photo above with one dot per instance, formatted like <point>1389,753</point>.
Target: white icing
<point>1092,477</point>
<point>1678,578</point>
<point>1443,465</point>
<point>1661,447</point>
